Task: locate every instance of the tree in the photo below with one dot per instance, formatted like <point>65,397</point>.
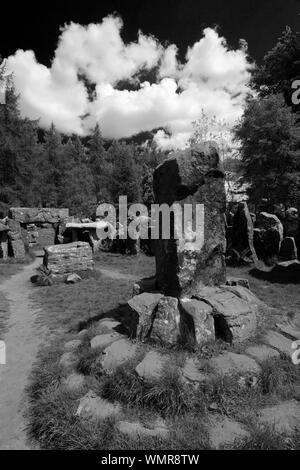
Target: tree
<point>270,150</point>
<point>280,67</point>
<point>99,166</point>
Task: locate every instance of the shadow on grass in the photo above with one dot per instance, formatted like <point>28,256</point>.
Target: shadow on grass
<point>279,274</point>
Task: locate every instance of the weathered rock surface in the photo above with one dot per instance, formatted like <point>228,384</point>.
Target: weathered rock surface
<point>96,408</point>
<point>191,373</point>
<point>192,258</point>
<point>224,432</point>
<point>102,341</point>
<point>64,259</point>
<point>242,232</point>
<point>230,363</point>
<point>203,320</point>
<point>234,309</point>
<point>284,417</point>
<point>107,325</point>
<point>278,341</point>
<point>136,429</point>
<point>73,279</point>
<point>288,329</point>
<point>288,249</point>
<point>31,215</point>
<point>74,382</point>
<point>73,345</point>
<point>117,354</point>
<point>144,305</point>
<point>268,235</point>
<point>68,361</point>
<point>166,324</point>
<point>151,367</point>
<point>262,352</point>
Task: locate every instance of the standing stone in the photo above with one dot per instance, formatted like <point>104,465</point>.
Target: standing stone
<point>201,314</point>
<point>243,231</point>
<point>183,263</point>
<point>165,328</point>
<point>269,235</point>
<point>3,241</point>
<point>288,249</point>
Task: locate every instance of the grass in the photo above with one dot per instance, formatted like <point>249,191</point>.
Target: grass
<point>68,309</point>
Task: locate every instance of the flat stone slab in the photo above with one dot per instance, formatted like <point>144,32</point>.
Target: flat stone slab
<point>72,345</point>
<point>191,373</point>
<point>224,432</point>
<point>74,382</point>
<point>96,408</point>
<point>284,417</point>
<point>230,363</point>
<point>107,325</point>
<point>68,361</point>
<point>262,352</point>
<point>117,354</point>
<point>102,341</point>
<point>279,342</point>
<point>289,330</point>
<point>137,429</point>
<point>151,367</point>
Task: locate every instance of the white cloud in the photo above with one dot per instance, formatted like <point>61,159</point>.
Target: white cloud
<point>213,78</point>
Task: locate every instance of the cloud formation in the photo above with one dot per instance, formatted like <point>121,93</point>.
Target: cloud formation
<point>212,77</point>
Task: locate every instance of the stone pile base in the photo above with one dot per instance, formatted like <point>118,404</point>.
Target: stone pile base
<point>228,312</point>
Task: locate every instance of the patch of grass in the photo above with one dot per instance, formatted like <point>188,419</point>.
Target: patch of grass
<point>266,438</point>
<point>280,377</point>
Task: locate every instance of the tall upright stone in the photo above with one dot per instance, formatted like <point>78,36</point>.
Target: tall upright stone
<point>195,257</point>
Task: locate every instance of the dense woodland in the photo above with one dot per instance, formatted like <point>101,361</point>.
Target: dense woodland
<point>45,168</point>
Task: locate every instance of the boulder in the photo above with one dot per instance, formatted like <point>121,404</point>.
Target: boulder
<point>73,279</point>
<point>117,354</point>
<point>151,367</point>
<point>191,373</point>
<point>166,322</point>
<point>262,353</point>
<point>72,345</point>
<point>102,341</point>
<point>65,259</point>
<point>283,418</point>
<point>288,249</point>
<point>279,342</point>
<point>144,305</point>
<point>224,432</point>
<point>96,408</point>
<point>202,315</point>
<point>235,311</point>
<point>74,382</point>
<point>136,429</point>
<point>230,363</point>
<point>268,235</point>
<point>191,258</point>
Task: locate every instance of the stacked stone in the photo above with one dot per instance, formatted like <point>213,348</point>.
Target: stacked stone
<point>69,258</point>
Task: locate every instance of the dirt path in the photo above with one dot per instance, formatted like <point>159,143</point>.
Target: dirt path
<point>22,340</point>
<point>114,274</point>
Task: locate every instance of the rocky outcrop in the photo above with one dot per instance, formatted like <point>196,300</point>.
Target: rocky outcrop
<point>32,215</point>
<point>191,258</point>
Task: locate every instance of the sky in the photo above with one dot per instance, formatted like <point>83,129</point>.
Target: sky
<point>134,66</point>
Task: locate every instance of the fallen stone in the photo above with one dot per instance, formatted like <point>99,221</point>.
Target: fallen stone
<point>136,429</point>
<point>72,345</point>
<point>74,382</point>
<point>107,324</point>
<point>102,341</point>
<point>262,352</point>
<point>284,417</point>
<point>224,432</point>
<point>235,281</point>
<point>68,361</point>
<point>67,258</point>
<point>203,320</point>
<point>144,305</point>
<point>191,372</point>
<point>279,342</point>
<point>96,408</point>
<point>73,279</point>
<point>230,363</point>
<point>166,324</point>
<point>289,330</point>
<point>117,354</point>
<point>151,367</point>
